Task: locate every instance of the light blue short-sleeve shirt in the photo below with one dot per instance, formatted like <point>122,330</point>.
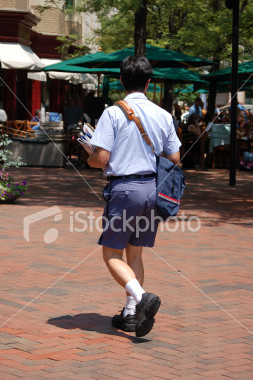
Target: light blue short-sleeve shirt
<point>195,109</point>
<point>129,152</point>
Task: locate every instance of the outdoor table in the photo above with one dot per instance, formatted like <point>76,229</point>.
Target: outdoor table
<point>220,135</point>
<point>220,139</point>
<point>220,143</point>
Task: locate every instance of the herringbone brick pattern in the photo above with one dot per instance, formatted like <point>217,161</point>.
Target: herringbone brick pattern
<point>57,300</point>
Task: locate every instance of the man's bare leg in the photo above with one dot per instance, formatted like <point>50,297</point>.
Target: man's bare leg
<point>134,260</point>
<point>124,272</point>
<point>147,304</point>
<point>118,268</point>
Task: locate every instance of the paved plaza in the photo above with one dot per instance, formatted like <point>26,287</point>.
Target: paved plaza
<point>57,297</point>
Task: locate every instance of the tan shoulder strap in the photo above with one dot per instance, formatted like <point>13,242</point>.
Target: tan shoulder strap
<point>129,112</point>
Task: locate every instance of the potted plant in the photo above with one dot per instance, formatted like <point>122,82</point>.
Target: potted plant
<point>10,190</point>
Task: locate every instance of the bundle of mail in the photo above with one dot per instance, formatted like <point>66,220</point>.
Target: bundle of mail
<point>85,138</point>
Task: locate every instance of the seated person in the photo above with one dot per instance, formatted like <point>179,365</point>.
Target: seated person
<point>240,119</point>
<point>196,107</point>
<point>194,125</point>
<point>177,111</point>
<point>217,111</point>
<point>244,111</point>
<point>241,125</point>
<point>36,118</point>
<point>226,119</point>
<point>191,133</point>
<point>73,114</point>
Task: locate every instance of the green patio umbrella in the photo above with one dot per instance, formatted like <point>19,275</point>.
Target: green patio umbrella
<point>190,89</point>
<point>68,66</point>
<point>244,71</point>
<point>63,66</point>
<point>225,86</point>
<point>202,88</point>
<point>178,75</point>
<point>158,57</point>
<point>186,90</point>
<point>173,74</point>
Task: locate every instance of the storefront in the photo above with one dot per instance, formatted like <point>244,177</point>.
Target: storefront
<point>22,51</point>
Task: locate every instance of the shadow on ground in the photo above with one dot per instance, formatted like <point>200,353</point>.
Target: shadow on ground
<point>207,192</point>
<point>91,322</point>
<point>62,187</point>
<point>210,192</point>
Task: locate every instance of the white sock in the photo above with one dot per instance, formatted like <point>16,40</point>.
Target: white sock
<point>130,306</point>
<point>134,288</point>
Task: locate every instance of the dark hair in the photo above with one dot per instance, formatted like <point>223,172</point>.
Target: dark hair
<point>198,99</point>
<point>192,119</point>
<point>135,72</point>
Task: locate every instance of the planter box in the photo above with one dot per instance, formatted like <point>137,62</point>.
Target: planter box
<point>40,152</point>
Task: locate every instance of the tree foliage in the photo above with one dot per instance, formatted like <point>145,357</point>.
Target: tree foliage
<point>198,27</point>
<point>202,28</point>
<point>49,4</point>
<point>68,48</point>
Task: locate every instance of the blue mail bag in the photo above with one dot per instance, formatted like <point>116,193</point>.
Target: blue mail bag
<point>170,183</point>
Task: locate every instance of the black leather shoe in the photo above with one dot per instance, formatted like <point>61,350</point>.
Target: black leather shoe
<point>127,323</point>
<point>146,309</point>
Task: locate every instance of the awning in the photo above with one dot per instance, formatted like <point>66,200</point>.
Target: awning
<point>49,61</point>
<point>89,87</point>
<point>18,56</point>
<point>75,78</point>
<point>40,76</point>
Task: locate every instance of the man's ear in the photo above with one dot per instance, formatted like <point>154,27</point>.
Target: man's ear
<point>146,87</point>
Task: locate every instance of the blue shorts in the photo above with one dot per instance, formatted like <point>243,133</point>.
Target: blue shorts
<point>130,215</point>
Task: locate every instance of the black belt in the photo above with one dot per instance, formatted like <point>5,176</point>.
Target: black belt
<point>131,176</point>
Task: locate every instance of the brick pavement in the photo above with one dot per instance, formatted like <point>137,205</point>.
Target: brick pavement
<point>204,328</point>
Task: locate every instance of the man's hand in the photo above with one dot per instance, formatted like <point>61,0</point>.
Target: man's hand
<point>99,159</point>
